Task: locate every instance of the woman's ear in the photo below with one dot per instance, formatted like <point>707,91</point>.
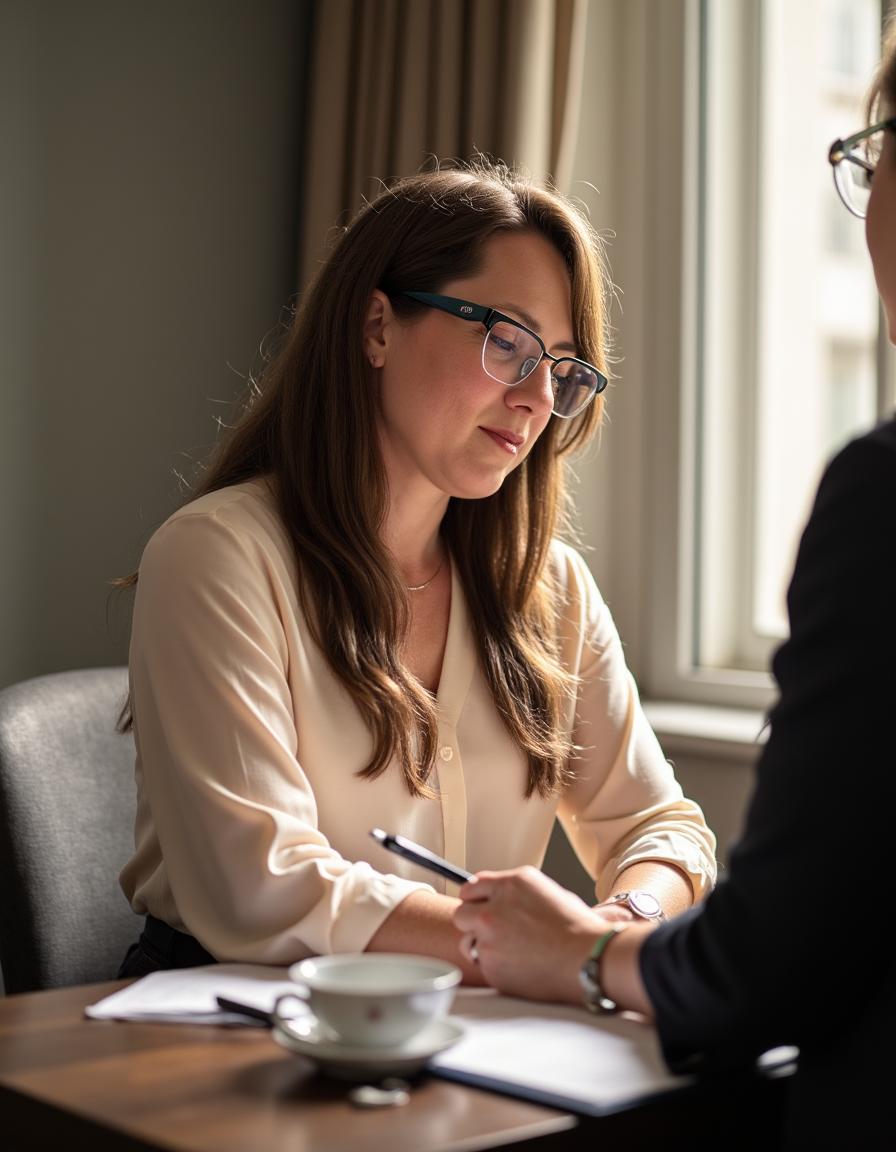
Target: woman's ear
<point>376,322</point>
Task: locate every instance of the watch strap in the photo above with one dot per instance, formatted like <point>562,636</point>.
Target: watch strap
<point>589,976</point>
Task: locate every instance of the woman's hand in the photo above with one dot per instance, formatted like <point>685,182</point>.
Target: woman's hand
<point>529,935</point>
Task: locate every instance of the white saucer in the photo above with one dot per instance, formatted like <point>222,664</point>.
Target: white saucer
<point>305,1037</point>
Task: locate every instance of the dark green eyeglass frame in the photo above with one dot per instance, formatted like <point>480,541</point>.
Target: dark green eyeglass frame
<point>489,317</point>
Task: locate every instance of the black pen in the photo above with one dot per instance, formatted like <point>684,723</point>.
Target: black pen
<point>422,856</point>
<point>248,1010</point>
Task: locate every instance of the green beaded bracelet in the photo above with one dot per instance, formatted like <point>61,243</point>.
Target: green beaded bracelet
<point>589,975</point>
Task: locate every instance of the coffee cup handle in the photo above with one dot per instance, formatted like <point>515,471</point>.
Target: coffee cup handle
<point>300,994</point>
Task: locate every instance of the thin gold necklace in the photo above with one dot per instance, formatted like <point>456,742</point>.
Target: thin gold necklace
<point>426,583</point>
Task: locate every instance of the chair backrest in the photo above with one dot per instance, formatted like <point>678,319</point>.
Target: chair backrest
<point>66,828</point>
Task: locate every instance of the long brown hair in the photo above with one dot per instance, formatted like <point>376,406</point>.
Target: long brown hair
<point>310,426</point>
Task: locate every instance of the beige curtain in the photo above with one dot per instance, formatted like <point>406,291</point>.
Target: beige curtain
<point>396,84</point>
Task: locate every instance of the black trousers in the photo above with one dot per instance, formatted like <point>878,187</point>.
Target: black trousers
<point>161,947</point>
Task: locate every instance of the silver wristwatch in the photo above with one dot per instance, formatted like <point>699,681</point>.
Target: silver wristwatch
<point>643,904</point>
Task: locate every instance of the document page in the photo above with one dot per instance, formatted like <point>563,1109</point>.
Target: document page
<point>556,1055</point>
<point>189,995</point>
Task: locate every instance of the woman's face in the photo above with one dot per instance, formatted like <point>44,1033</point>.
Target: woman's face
<point>446,427</point>
<point>880,227</point>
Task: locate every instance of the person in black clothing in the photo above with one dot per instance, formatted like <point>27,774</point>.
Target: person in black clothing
<point>789,949</point>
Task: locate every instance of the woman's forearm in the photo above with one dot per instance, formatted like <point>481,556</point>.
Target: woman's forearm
<point>668,884</point>
<point>423,923</point>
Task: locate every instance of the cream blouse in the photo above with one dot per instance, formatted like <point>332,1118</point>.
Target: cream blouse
<point>252,826</point>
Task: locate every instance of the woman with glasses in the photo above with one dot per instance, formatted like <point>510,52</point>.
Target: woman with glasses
<point>366,617</point>
<point>788,950</point>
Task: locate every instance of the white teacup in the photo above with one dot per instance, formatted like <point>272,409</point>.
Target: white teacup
<point>374,999</point>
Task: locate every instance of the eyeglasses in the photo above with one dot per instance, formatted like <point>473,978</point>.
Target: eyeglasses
<point>854,167</point>
<point>511,352</point>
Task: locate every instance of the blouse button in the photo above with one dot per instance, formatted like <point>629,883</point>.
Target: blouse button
<point>446,752</point>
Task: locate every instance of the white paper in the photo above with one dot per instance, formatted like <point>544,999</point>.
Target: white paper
<point>188,995</point>
<point>561,1056</point>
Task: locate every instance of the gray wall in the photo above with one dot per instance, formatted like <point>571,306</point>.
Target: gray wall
<point>148,236</point>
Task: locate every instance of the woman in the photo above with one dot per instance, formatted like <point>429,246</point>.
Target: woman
<point>365,617</point>
<point>786,951</point>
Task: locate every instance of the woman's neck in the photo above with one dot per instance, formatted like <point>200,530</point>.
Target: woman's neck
<point>411,534</point>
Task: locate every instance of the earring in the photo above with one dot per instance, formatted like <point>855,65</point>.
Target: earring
<point>373,363</point>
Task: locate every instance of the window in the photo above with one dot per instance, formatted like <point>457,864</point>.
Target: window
<point>782,358</point>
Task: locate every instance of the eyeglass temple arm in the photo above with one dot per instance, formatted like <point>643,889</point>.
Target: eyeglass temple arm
<point>840,148</point>
<point>454,307</point>
<point>839,153</point>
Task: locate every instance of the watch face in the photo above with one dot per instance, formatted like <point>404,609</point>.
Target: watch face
<point>644,905</point>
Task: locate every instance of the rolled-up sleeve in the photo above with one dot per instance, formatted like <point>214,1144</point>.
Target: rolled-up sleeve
<point>624,804</point>
<point>228,843</point>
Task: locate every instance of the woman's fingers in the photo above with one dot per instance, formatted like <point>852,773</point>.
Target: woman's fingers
<point>481,887</point>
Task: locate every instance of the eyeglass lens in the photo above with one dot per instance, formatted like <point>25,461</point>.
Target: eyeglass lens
<point>510,354</point>
<point>853,177</point>
<point>854,185</point>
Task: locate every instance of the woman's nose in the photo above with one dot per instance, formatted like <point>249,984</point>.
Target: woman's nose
<point>535,392</point>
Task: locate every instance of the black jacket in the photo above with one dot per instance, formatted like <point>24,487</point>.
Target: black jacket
<point>789,949</point>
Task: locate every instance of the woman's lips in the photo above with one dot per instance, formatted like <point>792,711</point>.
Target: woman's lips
<point>511,442</point>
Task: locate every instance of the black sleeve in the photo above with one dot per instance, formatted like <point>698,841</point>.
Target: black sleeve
<point>756,966</point>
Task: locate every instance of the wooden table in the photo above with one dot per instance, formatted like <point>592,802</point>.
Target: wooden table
<point>109,1086</point>
<point>66,1081</point>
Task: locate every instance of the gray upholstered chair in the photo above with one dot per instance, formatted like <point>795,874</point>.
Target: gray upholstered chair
<point>66,828</point>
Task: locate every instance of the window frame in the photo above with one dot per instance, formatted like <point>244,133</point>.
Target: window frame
<point>667,631</point>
